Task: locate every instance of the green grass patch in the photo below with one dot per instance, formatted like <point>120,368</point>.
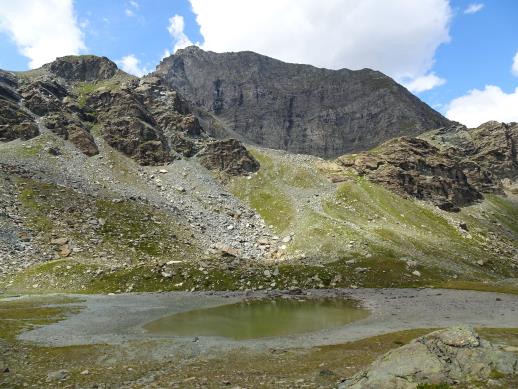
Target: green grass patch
<point>23,314</point>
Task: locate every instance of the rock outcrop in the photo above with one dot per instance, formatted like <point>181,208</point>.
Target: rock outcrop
<point>294,107</point>
<point>493,146</point>
<point>82,68</point>
<point>451,167</point>
<point>15,123</point>
<point>413,167</point>
<point>228,156</point>
<point>448,356</point>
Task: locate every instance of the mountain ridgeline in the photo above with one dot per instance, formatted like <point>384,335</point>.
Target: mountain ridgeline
<point>293,107</point>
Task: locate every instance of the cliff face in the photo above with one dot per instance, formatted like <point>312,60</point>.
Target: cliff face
<point>295,107</point>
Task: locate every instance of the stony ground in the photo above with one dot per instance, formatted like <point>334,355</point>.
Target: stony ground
<point>56,354</point>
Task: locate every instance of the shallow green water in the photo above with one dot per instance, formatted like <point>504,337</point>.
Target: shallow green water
<point>258,319</point>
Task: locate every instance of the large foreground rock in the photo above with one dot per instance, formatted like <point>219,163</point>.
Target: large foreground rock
<point>447,356</point>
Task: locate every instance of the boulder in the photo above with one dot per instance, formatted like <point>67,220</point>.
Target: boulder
<point>183,145</point>
<point>446,356</point>
<point>191,126</point>
<point>83,140</point>
<point>228,156</point>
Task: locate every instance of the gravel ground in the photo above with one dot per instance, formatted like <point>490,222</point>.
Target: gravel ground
<point>118,319</point>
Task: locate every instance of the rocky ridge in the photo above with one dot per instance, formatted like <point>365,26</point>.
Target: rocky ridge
<point>450,167</point>
<point>298,108</point>
<point>144,119</point>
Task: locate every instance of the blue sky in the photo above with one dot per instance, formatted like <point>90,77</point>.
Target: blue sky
<point>456,55</point>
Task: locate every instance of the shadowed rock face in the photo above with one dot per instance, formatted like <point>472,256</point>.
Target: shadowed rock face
<point>294,107</point>
<point>14,122</point>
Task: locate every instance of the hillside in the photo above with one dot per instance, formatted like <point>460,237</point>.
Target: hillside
<point>110,183</point>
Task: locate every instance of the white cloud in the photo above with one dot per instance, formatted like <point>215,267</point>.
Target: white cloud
<point>424,83</point>
<point>176,29</point>
<point>130,10</point>
<point>473,8</point>
<point>480,106</point>
<point>398,37</point>
<point>42,29</point>
<point>514,68</point>
<point>165,54</point>
<point>131,64</point>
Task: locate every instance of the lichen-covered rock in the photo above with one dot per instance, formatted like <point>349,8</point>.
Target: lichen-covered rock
<point>228,156</point>
<point>82,68</point>
<point>443,357</point>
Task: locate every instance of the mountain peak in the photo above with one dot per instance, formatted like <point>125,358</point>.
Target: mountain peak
<point>82,68</point>
<point>295,107</point>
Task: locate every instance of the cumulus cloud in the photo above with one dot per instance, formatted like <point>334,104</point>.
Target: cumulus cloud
<point>176,29</point>
<point>398,37</point>
<point>131,64</point>
<point>42,29</point>
<point>480,106</point>
<point>424,83</point>
<point>473,8</point>
<point>514,68</point>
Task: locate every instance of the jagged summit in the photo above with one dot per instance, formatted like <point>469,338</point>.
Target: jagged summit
<point>295,107</point>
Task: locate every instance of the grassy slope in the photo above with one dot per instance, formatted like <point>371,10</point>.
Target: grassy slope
<point>359,220</point>
<point>351,233</point>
